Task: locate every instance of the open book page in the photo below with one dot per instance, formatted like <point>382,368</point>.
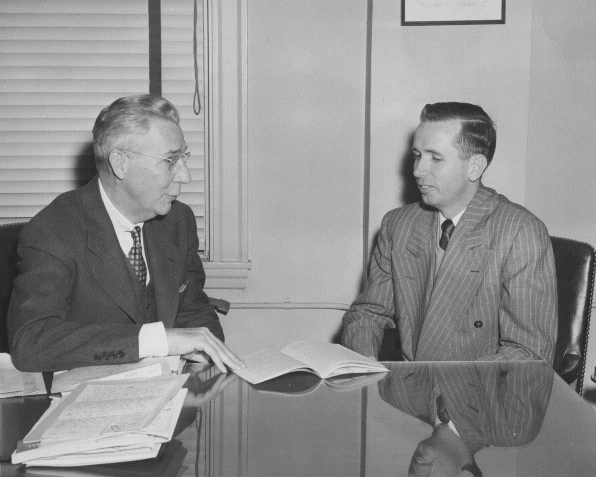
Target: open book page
<point>14,383</point>
<point>66,381</point>
<point>329,359</point>
<point>351,382</point>
<point>266,364</point>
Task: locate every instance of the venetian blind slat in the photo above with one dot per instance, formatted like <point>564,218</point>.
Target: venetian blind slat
<point>61,63</point>
<point>178,84</point>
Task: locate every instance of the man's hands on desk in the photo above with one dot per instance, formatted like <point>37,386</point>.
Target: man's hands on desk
<point>198,344</point>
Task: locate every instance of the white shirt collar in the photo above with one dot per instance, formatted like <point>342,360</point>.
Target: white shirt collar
<point>119,221</point>
<point>455,219</point>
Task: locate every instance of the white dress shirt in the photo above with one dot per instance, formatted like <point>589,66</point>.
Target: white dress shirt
<point>152,337</point>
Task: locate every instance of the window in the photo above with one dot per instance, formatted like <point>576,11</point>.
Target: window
<point>62,61</point>
<point>178,61</point>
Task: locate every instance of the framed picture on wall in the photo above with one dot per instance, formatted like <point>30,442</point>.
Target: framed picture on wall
<point>452,12</point>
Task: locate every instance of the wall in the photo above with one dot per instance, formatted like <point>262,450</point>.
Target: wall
<point>306,83</point>
<point>561,139</point>
<point>414,65</point>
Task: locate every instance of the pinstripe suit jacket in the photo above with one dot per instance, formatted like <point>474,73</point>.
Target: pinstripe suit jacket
<point>494,296</point>
<point>499,404</point>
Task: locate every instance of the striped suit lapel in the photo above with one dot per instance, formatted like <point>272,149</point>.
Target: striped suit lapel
<point>414,267</point>
<point>459,277</point>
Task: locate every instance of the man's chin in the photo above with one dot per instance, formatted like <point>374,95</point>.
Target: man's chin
<point>164,209</point>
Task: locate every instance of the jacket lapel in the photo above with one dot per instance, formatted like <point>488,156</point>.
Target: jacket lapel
<point>109,266</point>
<point>459,277</point>
<point>162,256</point>
<point>414,265</point>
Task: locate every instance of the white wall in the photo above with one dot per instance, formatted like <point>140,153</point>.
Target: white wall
<point>561,138</point>
<point>306,81</point>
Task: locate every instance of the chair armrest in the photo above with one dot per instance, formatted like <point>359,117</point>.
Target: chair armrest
<point>569,367</point>
<point>221,306</point>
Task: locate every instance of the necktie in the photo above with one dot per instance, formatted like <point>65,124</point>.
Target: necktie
<point>442,413</point>
<point>135,256</point>
<point>447,229</point>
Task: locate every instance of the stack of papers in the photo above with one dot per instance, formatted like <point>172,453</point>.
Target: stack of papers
<point>105,422</point>
<point>66,381</point>
<point>14,383</point>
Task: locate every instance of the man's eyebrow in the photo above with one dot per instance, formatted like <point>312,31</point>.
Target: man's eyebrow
<point>177,151</point>
<point>430,151</point>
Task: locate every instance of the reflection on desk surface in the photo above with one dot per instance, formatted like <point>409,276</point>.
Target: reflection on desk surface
<point>500,419</point>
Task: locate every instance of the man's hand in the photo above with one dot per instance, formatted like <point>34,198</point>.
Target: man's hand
<point>190,341</point>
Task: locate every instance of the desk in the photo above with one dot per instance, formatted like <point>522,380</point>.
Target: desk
<point>514,419</point>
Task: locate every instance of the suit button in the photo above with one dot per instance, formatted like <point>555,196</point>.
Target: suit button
<point>121,353</point>
<point>97,357</point>
<point>148,305</point>
<point>105,355</point>
<point>113,354</point>
<point>478,324</point>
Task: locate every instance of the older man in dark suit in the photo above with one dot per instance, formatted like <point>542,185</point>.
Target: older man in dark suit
<point>109,273</point>
<point>465,274</point>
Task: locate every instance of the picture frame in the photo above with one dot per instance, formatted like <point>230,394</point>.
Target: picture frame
<point>452,12</point>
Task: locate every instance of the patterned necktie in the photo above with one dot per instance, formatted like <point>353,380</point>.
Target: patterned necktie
<point>135,256</point>
<point>447,229</point>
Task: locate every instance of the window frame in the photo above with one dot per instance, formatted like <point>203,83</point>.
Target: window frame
<point>227,264</point>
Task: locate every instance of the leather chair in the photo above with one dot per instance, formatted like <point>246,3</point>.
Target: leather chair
<point>9,234</point>
<point>574,262</point>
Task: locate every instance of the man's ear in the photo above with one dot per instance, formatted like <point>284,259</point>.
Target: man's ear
<point>118,163</point>
<point>478,165</point>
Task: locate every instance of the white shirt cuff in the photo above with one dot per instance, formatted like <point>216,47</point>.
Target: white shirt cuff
<point>153,340</point>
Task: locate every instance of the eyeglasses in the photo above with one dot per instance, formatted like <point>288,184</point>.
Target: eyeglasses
<point>172,161</point>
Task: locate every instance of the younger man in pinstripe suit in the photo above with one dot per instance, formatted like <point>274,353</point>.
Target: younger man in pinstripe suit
<point>465,274</point>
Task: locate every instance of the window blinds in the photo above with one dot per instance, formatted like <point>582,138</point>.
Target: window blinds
<point>61,62</point>
<point>178,86</point>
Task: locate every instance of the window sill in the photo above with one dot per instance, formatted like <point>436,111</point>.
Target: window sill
<point>226,275</point>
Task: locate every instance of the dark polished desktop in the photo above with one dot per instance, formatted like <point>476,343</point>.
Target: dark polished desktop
<point>499,419</point>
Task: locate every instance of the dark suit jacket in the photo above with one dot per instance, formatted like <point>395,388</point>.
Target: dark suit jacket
<point>499,404</point>
<point>495,295</point>
<point>74,296</point>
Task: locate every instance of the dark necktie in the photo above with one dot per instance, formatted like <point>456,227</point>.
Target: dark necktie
<point>447,229</point>
<point>135,256</point>
<point>442,413</point>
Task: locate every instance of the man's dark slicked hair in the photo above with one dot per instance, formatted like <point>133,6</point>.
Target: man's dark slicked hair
<point>477,135</point>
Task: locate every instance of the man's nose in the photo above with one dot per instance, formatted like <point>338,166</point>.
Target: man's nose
<point>182,172</point>
<point>419,167</point>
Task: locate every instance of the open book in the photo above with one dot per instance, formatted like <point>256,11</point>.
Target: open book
<point>323,359</point>
<point>306,383</point>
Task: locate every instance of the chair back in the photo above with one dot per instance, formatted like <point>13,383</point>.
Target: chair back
<point>574,262</point>
<point>9,234</point>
